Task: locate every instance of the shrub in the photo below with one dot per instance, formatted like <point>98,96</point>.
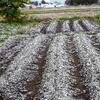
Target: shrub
<point>10,9</point>
<point>98,16</point>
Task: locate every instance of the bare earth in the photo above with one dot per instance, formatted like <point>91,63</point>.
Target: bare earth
<point>70,11</point>
<point>53,61</point>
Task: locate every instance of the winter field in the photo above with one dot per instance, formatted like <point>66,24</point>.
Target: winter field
<point>69,11</point>
<point>53,57</point>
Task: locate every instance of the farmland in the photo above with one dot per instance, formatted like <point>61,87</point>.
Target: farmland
<point>69,11</point>
<point>54,58</point>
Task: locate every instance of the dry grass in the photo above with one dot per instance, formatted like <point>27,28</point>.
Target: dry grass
<point>78,11</point>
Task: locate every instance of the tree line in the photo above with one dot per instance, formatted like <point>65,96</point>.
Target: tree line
<point>80,2</point>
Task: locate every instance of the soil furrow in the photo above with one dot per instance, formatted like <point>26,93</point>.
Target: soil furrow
<point>77,81</point>
<point>89,26</point>
<point>95,24</point>
<point>37,29</point>
<point>54,85</point>
<point>59,27</point>
<point>77,26</point>
<point>43,30</point>
<point>52,27</point>
<point>66,27</point>
<point>71,25</point>
<point>98,37</point>
<point>91,61</point>
<point>9,51</point>
<point>83,25</point>
<point>95,42</point>
<point>24,73</point>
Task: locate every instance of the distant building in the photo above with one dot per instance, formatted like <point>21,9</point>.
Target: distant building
<point>47,5</point>
<point>29,6</point>
<point>43,4</point>
<point>50,4</point>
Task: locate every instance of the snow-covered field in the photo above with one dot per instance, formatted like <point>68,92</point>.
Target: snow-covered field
<point>58,60</point>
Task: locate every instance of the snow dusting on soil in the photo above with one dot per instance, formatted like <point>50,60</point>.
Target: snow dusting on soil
<point>54,61</point>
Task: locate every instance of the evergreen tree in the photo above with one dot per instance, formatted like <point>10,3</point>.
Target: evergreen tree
<point>36,3</point>
<point>67,2</point>
<point>82,2</point>
<point>43,2</point>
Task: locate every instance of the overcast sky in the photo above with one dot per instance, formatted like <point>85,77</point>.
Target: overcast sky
<point>62,1</point>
